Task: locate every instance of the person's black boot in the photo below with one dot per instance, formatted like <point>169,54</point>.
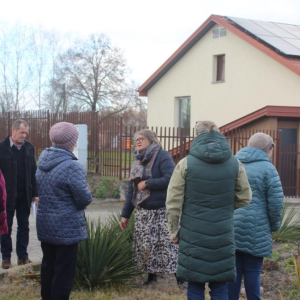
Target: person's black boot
<point>179,282</point>
<point>151,278</point>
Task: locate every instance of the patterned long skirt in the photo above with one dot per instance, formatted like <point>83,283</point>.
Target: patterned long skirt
<point>153,251</point>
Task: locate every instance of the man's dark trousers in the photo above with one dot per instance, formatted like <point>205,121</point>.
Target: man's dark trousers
<point>22,210</point>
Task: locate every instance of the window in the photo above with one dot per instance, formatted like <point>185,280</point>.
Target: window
<point>216,33</point>
<point>219,32</point>
<point>219,68</point>
<point>184,109</point>
<point>222,32</point>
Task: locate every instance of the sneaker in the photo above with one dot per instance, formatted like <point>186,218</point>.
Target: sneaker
<point>24,261</point>
<point>6,264</point>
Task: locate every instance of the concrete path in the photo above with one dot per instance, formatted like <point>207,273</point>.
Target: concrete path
<point>98,209</point>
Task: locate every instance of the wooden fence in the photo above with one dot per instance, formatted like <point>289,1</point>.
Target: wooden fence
<point>110,143</point>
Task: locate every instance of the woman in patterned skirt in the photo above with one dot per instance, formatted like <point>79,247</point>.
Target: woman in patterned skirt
<point>150,174</point>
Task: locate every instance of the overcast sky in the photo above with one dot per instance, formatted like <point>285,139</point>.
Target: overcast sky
<point>148,31</point>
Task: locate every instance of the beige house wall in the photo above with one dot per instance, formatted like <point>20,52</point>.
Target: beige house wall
<point>252,81</point>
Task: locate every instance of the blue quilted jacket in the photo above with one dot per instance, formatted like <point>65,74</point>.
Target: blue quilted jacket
<point>254,223</point>
<point>63,196</point>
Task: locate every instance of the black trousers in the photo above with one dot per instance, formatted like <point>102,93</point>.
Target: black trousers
<point>58,271</point>
<point>22,213</point>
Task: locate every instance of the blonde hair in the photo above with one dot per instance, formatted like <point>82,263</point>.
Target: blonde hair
<point>202,126</point>
<point>149,135</point>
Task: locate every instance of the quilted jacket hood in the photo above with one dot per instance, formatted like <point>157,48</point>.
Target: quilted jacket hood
<point>52,157</point>
<point>252,154</point>
<point>211,147</point>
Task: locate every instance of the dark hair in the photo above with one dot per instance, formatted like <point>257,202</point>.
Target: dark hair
<point>16,124</point>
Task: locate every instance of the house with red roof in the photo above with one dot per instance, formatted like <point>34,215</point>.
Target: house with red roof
<point>239,73</point>
<point>244,75</point>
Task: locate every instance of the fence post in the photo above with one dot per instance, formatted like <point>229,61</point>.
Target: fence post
<point>121,148</point>
<point>278,152</point>
<point>48,128</point>
<point>181,144</point>
<point>95,134</point>
<point>8,122</point>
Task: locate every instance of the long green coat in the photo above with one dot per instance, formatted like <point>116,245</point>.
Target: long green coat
<point>206,250</point>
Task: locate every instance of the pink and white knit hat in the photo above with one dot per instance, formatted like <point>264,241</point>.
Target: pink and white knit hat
<point>64,135</point>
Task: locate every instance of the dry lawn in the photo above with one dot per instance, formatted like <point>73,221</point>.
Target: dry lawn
<point>17,287</point>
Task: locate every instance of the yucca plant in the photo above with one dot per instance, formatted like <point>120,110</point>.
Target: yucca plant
<point>290,224</point>
<point>105,257</point>
<point>296,265</point>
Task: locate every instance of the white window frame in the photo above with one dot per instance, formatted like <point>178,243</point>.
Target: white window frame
<point>177,110</point>
<point>220,32</point>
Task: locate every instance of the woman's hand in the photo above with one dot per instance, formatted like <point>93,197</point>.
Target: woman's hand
<point>174,241</point>
<point>142,185</point>
<point>124,223</point>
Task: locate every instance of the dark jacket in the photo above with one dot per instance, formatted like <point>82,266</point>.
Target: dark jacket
<point>8,166</point>
<point>206,248</point>
<point>63,196</point>
<point>3,221</point>
<point>162,170</point>
<point>253,224</point>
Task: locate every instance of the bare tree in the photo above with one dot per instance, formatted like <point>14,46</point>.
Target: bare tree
<point>15,70</point>
<point>37,69</point>
<point>41,47</point>
<point>96,75</point>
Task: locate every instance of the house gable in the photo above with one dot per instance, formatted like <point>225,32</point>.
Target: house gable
<point>292,63</point>
<point>252,80</point>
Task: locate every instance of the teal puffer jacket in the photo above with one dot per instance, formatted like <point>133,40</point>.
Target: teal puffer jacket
<point>254,223</point>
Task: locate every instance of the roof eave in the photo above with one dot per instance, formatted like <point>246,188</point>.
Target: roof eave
<point>180,52</point>
<point>267,111</point>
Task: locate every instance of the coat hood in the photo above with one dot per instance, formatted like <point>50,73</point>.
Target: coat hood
<point>51,157</point>
<point>211,147</point>
<point>251,154</point>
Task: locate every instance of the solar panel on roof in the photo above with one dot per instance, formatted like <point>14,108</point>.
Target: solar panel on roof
<point>251,26</point>
<point>283,37</point>
<point>281,45</point>
<point>294,30</point>
<point>294,42</point>
<point>276,30</point>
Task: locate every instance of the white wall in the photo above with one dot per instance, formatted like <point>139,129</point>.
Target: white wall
<point>252,81</point>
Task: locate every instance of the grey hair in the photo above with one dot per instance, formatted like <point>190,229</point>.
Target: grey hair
<point>149,135</point>
<point>16,124</point>
<point>202,126</point>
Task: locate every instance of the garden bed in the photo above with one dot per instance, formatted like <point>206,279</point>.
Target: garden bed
<point>276,282</point>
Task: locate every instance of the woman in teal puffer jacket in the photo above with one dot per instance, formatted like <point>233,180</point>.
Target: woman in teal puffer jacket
<point>254,224</point>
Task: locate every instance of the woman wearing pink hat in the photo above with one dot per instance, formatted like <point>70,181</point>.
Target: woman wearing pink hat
<point>60,221</point>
